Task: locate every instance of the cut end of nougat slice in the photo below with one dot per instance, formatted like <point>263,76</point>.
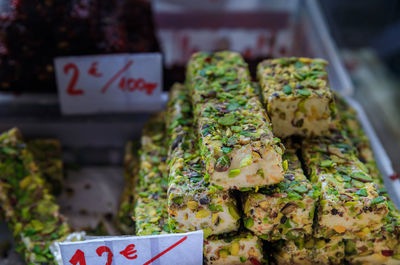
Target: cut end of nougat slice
<point>249,168</point>
<point>244,248</point>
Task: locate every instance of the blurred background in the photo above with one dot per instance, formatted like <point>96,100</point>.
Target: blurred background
<point>367,34</point>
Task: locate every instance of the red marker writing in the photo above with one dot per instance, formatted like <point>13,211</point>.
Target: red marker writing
<point>129,252</point>
<point>93,70</point>
<point>165,251</point>
<point>114,77</point>
<point>101,250</point>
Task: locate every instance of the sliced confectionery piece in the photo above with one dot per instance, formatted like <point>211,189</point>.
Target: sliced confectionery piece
<point>235,248</point>
<point>284,210</point>
<point>347,120</point>
<point>125,214</point>
<point>383,246</point>
<point>151,216</point>
<point>48,156</point>
<point>235,136</point>
<point>310,251</point>
<point>380,248</point>
<point>29,209</point>
<point>349,200</point>
<point>297,96</point>
<point>193,204</point>
<point>243,248</point>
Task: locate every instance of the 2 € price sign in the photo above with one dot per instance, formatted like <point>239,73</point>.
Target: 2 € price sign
<point>109,83</point>
<point>167,249</point>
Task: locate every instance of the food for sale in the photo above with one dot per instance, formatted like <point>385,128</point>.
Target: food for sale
<point>193,204</point>
<point>151,216</point>
<point>243,248</point>
<point>347,120</point>
<point>297,96</point>
<point>379,248</point>
<point>29,209</point>
<point>284,210</point>
<point>349,201</point>
<point>235,248</point>
<point>48,157</point>
<point>215,145</point>
<point>310,251</point>
<point>234,132</point>
<point>125,215</point>
<point>382,247</point>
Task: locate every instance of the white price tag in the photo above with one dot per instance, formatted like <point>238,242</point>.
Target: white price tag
<point>167,249</point>
<point>109,83</point>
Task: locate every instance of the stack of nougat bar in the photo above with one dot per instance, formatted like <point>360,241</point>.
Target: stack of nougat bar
<point>278,172</point>
<point>30,173</point>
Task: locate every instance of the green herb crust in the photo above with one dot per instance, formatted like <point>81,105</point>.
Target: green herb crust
<point>349,200</point>
<point>234,132</point>
<point>383,246</point>
<point>193,203</point>
<point>297,96</point>
<point>30,210</point>
<point>48,157</point>
<point>310,251</point>
<point>232,248</point>
<point>125,215</point>
<point>284,210</point>
<point>151,216</point>
<point>347,120</point>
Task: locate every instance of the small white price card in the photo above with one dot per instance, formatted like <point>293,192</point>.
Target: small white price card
<point>109,83</point>
<point>186,248</point>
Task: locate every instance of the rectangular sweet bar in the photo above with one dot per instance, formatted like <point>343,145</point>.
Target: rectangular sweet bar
<point>241,248</point>
<point>310,251</point>
<point>349,200</point>
<point>192,203</point>
<point>235,136</point>
<point>48,157</point>
<point>284,210</point>
<point>347,120</point>
<point>151,216</point>
<point>244,248</point>
<point>30,211</point>
<point>297,96</point>
<point>125,214</point>
<point>382,247</point>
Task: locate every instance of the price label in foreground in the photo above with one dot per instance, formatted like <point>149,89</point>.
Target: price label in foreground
<point>167,249</point>
<point>109,83</point>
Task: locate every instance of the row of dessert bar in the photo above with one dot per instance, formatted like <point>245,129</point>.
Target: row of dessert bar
<point>231,122</point>
<point>211,162</point>
<point>30,173</point>
<point>31,176</point>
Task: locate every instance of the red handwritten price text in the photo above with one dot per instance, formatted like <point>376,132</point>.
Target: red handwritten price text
<point>128,253</point>
<point>78,257</point>
<point>103,249</point>
<point>124,83</point>
<point>75,73</point>
<point>132,84</point>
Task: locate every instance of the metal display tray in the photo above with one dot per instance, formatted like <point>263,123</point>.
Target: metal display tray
<point>96,142</point>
